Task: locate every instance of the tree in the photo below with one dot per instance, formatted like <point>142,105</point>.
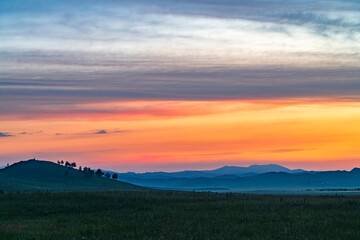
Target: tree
<point>62,162</point>
<point>73,164</point>
<point>114,176</point>
<point>107,175</point>
<point>58,162</point>
<point>99,173</point>
<point>80,169</point>
<point>67,164</point>
<point>88,172</point>
<point>91,172</point>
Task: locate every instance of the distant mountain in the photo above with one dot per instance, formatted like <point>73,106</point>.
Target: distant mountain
<point>226,170</point>
<point>167,175</point>
<point>233,170</point>
<point>255,177</point>
<point>265,181</point>
<point>34,175</point>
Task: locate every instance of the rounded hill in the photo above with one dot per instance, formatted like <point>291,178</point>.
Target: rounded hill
<point>36,175</point>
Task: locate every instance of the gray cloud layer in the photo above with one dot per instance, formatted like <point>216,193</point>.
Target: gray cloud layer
<point>57,54</point>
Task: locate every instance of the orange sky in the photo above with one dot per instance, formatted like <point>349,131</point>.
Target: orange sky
<point>176,135</point>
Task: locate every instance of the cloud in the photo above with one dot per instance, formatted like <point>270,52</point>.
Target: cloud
<point>285,150</point>
<point>30,133</point>
<point>101,132</point>
<point>188,84</point>
<point>201,50</point>
<point>120,131</point>
<point>116,102</point>
<point>110,131</point>
<point>3,134</point>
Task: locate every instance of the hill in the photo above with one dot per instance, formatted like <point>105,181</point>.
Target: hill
<point>35,175</point>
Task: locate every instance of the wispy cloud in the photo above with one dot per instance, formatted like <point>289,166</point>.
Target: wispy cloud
<point>3,134</point>
<point>284,150</point>
<point>30,133</point>
<point>101,132</point>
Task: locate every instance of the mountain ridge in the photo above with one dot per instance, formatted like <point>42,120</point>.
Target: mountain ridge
<point>266,181</point>
<point>225,170</point>
<point>265,177</point>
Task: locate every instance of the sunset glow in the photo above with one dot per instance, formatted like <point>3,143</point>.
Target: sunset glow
<point>168,134</point>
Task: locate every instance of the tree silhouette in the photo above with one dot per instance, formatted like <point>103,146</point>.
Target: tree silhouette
<point>91,172</point>
<point>73,165</point>
<point>80,169</point>
<point>88,172</point>
<point>107,175</point>
<point>67,164</point>
<point>62,162</point>
<point>114,176</point>
<point>99,173</point>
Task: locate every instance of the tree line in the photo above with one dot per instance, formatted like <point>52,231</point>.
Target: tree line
<point>87,170</point>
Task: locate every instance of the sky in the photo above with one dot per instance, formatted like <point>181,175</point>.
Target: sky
<point>172,85</point>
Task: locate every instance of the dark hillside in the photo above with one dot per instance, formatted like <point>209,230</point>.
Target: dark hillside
<point>34,175</point>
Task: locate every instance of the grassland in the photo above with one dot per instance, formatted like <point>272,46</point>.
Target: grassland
<point>177,215</point>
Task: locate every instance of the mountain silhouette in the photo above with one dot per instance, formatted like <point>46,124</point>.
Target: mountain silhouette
<point>234,170</point>
<point>226,170</point>
<point>230,178</point>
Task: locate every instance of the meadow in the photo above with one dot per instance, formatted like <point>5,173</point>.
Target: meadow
<point>177,215</point>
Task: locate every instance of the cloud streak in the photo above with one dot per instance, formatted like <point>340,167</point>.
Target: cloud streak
<point>284,150</point>
<point>3,134</point>
<point>101,132</point>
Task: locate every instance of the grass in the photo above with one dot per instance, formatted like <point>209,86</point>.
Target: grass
<point>176,215</point>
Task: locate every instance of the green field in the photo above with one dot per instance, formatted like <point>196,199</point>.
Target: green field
<point>177,215</point>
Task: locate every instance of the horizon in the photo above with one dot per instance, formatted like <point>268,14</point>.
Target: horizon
<point>169,86</point>
<point>183,170</point>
